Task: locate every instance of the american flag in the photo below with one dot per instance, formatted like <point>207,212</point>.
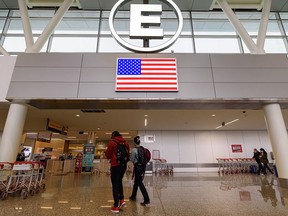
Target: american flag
<point>146,74</point>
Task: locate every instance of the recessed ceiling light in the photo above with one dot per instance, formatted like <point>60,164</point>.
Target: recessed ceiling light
<point>77,115</point>
<point>145,115</point>
<point>213,115</point>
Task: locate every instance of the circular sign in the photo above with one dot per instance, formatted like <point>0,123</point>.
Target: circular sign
<point>145,49</point>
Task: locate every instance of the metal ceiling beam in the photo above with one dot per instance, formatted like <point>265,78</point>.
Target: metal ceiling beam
<point>197,5</point>
<point>3,51</point>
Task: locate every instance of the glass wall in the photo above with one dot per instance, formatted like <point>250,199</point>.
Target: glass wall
<point>88,31</point>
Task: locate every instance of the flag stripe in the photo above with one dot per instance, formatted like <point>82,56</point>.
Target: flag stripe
<point>161,59</point>
<point>145,78</point>
<point>150,74</point>
<point>145,89</point>
<point>144,83</point>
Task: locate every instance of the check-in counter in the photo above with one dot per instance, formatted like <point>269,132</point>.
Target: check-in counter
<point>60,166</point>
<point>69,166</point>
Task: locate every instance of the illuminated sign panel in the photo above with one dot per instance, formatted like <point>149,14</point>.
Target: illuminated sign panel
<point>142,17</point>
<point>146,74</point>
<point>138,22</point>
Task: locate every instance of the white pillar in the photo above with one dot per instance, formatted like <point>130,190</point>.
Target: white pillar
<point>12,134</point>
<point>278,137</point>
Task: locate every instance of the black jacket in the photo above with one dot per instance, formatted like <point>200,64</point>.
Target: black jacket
<point>256,156</point>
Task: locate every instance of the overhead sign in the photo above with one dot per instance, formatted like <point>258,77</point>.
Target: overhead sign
<point>141,20</point>
<point>146,74</point>
<point>55,127</point>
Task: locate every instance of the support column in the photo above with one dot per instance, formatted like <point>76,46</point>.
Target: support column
<point>50,27</point>
<point>278,138</point>
<point>26,24</point>
<point>12,134</point>
<point>263,25</point>
<point>238,26</point>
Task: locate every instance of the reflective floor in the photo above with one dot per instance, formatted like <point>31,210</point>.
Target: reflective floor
<point>181,194</point>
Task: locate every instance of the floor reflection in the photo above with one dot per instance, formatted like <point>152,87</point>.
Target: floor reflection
<point>178,194</point>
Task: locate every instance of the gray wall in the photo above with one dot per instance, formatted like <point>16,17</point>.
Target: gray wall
<point>200,76</point>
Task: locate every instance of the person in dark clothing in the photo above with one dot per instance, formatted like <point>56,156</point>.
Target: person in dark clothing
<point>264,161</point>
<point>256,156</point>
<point>21,155</point>
<point>117,170</point>
<point>139,172</point>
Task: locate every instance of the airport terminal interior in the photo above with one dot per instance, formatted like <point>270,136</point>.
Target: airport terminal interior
<point>201,136</point>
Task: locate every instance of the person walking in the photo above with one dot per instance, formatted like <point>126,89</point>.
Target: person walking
<point>256,156</point>
<point>264,161</point>
<point>118,154</point>
<point>139,172</point>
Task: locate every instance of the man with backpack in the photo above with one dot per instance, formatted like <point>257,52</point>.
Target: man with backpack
<point>139,159</point>
<point>118,154</point>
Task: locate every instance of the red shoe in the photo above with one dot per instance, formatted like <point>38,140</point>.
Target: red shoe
<point>115,210</point>
<point>122,203</point>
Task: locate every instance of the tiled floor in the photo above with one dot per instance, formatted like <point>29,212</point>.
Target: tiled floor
<point>183,194</point>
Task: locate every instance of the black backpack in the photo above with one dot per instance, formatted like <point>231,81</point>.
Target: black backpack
<point>142,159</point>
<point>122,156</point>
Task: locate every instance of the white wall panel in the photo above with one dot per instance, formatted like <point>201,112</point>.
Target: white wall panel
<point>220,147</point>
<point>187,147</point>
<point>251,140</point>
<point>171,146</point>
<point>204,147</point>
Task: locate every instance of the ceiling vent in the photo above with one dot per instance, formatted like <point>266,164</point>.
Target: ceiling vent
<point>240,4</point>
<point>93,111</point>
<point>50,3</point>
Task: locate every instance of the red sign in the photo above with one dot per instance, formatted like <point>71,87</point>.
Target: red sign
<point>236,148</point>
